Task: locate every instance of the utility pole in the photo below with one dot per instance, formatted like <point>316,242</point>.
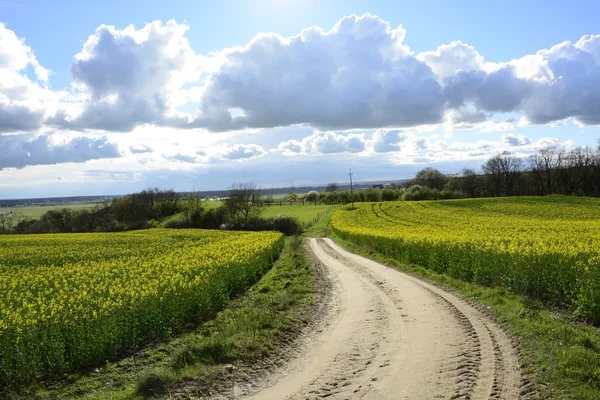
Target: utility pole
<point>351,192</point>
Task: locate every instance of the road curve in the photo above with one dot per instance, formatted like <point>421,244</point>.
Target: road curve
<point>393,336</point>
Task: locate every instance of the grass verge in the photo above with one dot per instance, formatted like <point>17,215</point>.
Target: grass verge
<point>559,355</point>
<point>218,353</point>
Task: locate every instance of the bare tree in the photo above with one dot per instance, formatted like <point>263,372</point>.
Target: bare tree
<point>504,171</point>
<point>243,202</point>
<point>493,175</point>
<point>543,167</point>
<point>470,182</point>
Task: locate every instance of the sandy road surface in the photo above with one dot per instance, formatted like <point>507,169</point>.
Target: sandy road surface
<point>392,336</point>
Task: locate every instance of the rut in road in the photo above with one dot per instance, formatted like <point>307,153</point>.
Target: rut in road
<point>393,336</point>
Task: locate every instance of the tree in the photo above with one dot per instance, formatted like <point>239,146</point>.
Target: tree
<point>193,208</point>
<point>291,198</point>
<point>543,167</point>
<point>7,221</point>
<point>503,172</point>
<point>312,196</point>
<point>243,202</point>
<point>470,183</point>
<point>431,178</point>
<point>372,195</point>
<point>332,187</point>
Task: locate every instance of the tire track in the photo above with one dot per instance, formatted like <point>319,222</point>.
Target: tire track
<point>393,336</point>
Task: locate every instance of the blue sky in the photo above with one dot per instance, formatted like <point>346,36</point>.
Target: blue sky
<point>91,110</point>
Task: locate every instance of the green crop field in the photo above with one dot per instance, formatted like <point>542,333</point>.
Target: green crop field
<point>304,213</point>
<point>37,211</point>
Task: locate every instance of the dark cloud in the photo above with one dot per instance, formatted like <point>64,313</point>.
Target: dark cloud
<point>20,151</point>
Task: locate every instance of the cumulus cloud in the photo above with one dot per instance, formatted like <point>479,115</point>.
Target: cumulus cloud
<point>357,75</point>
<point>325,143</point>
<point>22,99</point>
<point>360,75</point>
<point>515,140</point>
<point>387,140</point>
<point>574,90</point>
<point>448,59</point>
<point>241,152</point>
<point>19,151</point>
<point>131,77</point>
<point>219,153</point>
<point>140,149</point>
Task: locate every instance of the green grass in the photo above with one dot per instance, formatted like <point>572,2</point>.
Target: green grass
<point>248,329</point>
<point>305,214</point>
<point>560,355</point>
<point>212,204</point>
<point>36,212</point>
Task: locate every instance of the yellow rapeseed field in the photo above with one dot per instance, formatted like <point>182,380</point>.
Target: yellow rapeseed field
<point>547,248</point>
<point>72,300</point>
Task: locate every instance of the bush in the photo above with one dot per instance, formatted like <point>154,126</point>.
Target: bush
<point>312,195</point>
<point>418,192</point>
<point>372,195</point>
<point>287,225</point>
<point>389,195</point>
<point>282,223</point>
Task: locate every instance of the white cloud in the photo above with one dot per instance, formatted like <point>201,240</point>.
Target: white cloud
<point>575,88</point>
<point>358,85</point>
<point>218,153</point>
<point>387,140</point>
<point>22,100</point>
<point>241,152</point>
<point>140,149</point>
<point>325,143</point>
<point>357,75</point>
<point>515,140</point>
<point>20,151</point>
<point>131,77</point>
<point>451,58</point>
<point>186,158</point>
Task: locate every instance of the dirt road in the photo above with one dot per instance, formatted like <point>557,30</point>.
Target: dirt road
<point>392,336</point>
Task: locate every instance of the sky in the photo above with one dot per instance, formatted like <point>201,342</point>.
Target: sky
<point>110,97</point>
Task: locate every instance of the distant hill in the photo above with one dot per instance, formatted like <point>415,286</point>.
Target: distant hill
<point>53,201</point>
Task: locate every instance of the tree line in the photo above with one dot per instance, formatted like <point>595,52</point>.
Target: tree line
<point>551,170</point>
<point>241,210</point>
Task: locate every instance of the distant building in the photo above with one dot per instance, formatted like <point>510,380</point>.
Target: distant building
<point>377,186</point>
